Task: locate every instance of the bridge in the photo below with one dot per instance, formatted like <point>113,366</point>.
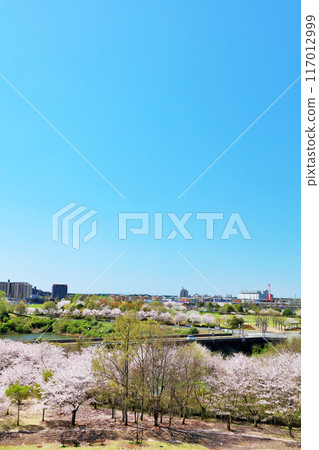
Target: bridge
<point>226,343</point>
<point>229,343</point>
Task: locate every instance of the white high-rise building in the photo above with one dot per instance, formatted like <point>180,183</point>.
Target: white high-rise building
<point>252,295</point>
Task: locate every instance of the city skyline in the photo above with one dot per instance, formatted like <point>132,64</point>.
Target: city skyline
<point>183,292</point>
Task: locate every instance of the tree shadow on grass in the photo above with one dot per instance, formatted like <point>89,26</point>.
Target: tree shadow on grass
<point>30,428</point>
<point>10,425</point>
<point>59,424</point>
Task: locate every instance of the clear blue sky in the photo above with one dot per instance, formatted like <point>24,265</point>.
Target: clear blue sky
<point>151,93</point>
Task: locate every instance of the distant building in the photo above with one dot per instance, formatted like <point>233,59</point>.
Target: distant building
<point>59,291</point>
<point>283,303</point>
<point>183,292</point>
<point>4,286</point>
<point>16,290</point>
<point>252,295</point>
<point>39,296</point>
<point>37,293</point>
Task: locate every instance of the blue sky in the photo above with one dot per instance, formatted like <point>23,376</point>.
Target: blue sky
<point>151,93</point>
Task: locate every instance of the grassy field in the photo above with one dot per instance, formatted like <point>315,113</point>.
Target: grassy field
<point>34,305</point>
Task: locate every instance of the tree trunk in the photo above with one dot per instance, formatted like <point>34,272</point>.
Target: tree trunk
<point>113,415</point>
<point>137,434</point>
<point>126,392</point>
<point>18,418</point>
<point>73,417</point>
<point>94,405</point>
<point>142,409</point>
<point>43,412</point>
<point>125,411</point>
<point>155,415</point>
<point>228,422</point>
<point>290,430</point>
<point>184,416</point>
<point>161,418</point>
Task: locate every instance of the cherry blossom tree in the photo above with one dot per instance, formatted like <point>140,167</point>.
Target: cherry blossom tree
<point>62,304</point>
<point>228,385</point>
<point>10,352</point>
<point>178,307</point>
<point>87,312</point>
<point>180,317</point>
<point>141,370</point>
<point>280,388</point>
<point>115,313</point>
<point>105,312</point>
<point>208,319</point>
<point>69,387</point>
<point>16,383</point>
<point>154,314</point>
<point>165,317</point>
<point>142,315</point>
<point>169,304</point>
<point>4,400</point>
<point>194,317</point>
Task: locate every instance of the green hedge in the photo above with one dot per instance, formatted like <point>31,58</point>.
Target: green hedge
<point>87,327</point>
<point>22,325</point>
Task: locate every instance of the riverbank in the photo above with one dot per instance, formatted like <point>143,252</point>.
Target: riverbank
<point>25,337</point>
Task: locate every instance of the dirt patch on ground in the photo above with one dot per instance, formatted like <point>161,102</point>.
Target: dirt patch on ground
<point>97,426</point>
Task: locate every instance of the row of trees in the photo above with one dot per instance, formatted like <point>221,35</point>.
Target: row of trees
<point>106,313</point>
<point>140,371</point>
<point>279,323</point>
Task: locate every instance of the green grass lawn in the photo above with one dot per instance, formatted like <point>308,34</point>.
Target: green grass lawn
<point>35,305</point>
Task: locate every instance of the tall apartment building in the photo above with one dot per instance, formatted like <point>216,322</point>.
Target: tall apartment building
<point>4,286</point>
<point>59,291</point>
<point>17,290</point>
<point>183,292</point>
